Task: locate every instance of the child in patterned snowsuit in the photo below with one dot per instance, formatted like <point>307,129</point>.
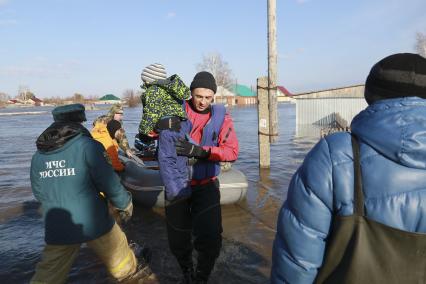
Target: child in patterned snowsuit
<point>164,118</point>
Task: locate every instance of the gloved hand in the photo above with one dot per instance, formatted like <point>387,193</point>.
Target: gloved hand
<point>186,148</point>
<point>145,139</point>
<point>126,213</point>
<point>143,142</point>
<point>172,123</point>
<point>130,153</point>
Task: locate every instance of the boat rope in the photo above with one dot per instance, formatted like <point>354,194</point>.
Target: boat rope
<point>268,88</point>
<point>267,134</point>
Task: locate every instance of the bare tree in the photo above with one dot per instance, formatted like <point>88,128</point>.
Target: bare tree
<point>54,100</point>
<point>421,44</point>
<point>215,64</point>
<point>24,93</point>
<point>92,98</point>
<point>78,98</point>
<point>131,98</point>
<point>4,97</point>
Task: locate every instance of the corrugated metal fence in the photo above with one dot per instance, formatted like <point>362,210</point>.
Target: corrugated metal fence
<point>321,111</point>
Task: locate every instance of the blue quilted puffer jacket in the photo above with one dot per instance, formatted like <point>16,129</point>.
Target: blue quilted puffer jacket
<point>392,135</point>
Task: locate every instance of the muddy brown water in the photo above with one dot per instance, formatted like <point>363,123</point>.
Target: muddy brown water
<point>249,226</point>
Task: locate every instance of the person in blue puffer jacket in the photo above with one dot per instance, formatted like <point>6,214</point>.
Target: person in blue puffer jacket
<point>391,133</point>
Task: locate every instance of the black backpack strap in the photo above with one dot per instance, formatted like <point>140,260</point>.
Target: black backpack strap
<point>358,192</point>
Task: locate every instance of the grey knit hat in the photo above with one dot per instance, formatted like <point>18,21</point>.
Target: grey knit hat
<point>396,76</point>
<point>153,73</point>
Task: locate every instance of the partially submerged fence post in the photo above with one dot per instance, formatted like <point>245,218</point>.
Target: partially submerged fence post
<point>263,122</point>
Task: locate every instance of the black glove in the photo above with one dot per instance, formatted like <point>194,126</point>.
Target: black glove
<point>172,123</point>
<point>145,139</point>
<point>143,142</point>
<point>186,148</point>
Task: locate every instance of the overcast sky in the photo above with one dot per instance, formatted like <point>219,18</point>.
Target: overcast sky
<point>94,47</point>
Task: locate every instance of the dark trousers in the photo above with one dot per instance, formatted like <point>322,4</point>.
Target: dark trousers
<point>199,217</point>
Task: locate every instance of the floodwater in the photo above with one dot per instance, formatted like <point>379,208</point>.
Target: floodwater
<point>249,226</point>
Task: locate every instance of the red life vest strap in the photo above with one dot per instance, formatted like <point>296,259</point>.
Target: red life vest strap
<point>202,181</point>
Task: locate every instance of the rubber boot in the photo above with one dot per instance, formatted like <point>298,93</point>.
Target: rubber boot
<point>142,252</point>
<point>143,272</point>
<point>204,267</point>
<point>188,276</point>
<point>200,278</point>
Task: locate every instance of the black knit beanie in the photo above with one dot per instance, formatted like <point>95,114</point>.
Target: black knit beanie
<point>398,75</point>
<point>205,80</point>
<point>112,127</point>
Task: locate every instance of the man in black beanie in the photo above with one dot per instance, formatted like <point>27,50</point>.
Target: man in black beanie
<point>360,197</point>
<point>204,79</point>
<point>213,140</point>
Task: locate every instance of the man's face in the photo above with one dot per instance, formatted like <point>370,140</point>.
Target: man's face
<point>202,98</point>
<point>118,116</point>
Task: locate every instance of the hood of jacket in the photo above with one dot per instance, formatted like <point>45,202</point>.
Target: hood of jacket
<point>173,85</point>
<point>58,134</point>
<point>396,128</point>
<point>99,131</point>
<point>160,99</point>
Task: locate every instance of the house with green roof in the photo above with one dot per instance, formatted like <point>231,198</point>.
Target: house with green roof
<point>224,96</point>
<point>244,95</point>
<point>108,99</point>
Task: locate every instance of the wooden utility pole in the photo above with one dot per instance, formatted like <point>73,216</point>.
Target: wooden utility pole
<point>272,71</point>
<point>263,119</point>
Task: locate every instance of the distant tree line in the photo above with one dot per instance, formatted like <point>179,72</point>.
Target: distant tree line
<point>420,45</point>
<point>75,98</point>
<point>131,98</point>
<point>3,99</point>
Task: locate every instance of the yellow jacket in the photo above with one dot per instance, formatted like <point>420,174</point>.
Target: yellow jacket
<point>100,133</point>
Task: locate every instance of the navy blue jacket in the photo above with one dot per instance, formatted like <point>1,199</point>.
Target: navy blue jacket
<point>174,169</point>
<point>392,135</point>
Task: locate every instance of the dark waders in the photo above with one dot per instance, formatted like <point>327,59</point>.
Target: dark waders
<point>361,250</point>
<point>199,219</point>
